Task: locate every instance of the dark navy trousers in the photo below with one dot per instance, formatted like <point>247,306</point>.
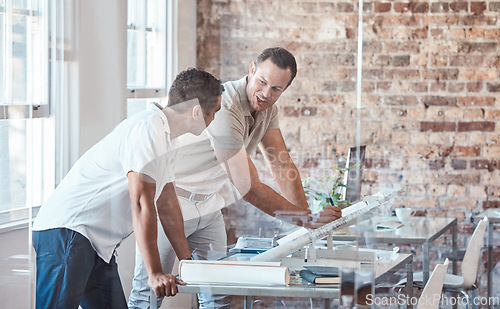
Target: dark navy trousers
<point>69,273</point>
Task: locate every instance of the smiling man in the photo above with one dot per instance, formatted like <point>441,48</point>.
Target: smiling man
<point>248,118</point>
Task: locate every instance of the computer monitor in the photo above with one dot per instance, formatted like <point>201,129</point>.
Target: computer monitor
<point>353,178</point>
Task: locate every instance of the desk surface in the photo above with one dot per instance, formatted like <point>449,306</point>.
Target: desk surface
<point>298,288</point>
<point>416,230</point>
<point>493,215</point>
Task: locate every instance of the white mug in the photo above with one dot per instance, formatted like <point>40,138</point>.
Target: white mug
<point>403,214</point>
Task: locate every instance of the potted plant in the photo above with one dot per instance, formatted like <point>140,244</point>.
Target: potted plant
<point>323,192</point>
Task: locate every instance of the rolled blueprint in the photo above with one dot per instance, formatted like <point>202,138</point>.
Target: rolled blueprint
<point>349,215</point>
<point>233,272</point>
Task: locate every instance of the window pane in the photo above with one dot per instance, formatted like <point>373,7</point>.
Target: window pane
<point>12,164</point>
<point>2,54</point>
<point>146,45</point>
<point>19,60</point>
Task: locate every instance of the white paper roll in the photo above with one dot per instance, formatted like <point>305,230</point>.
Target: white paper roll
<point>233,272</point>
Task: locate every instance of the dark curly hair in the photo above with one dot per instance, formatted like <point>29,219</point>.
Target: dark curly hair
<point>195,84</point>
<point>280,57</point>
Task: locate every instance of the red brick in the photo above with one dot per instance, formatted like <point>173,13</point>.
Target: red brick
<point>438,86</point>
<point>441,74</point>
<point>477,20</point>
<point>309,111</point>
<point>439,101</point>
<point>419,87</point>
<point>491,204</point>
<point>401,7</point>
<point>495,6</point>
<point>438,34</point>
<point>409,47</point>
<point>419,34</point>
<point>485,126</point>
<point>492,34</point>
<point>485,165</point>
<point>460,179</point>
<point>476,101</point>
<point>468,47</point>
<point>437,126</point>
<point>310,163</point>
<point>439,7</point>
<point>456,87</point>
<point>436,164</point>
<point>464,151</point>
<point>419,7</point>
<point>351,33</point>
<point>474,86</point>
<point>291,111</point>
<point>403,74</point>
<point>382,7</point>
<point>384,85</point>
<point>459,164</point>
<point>377,162</point>
<point>459,6</point>
<point>401,100</point>
<point>345,7</point>
<point>477,7</point>
<point>493,87</point>
<point>466,60</point>
<point>401,61</point>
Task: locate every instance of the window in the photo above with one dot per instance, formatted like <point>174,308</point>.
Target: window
<point>30,64</point>
<point>147,52</point>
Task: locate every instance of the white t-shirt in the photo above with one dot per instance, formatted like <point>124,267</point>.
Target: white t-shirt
<point>93,199</point>
<point>197,169</point>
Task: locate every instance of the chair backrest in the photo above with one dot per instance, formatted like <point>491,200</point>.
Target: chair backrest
<point>431,295</point>
<point>470,262</point>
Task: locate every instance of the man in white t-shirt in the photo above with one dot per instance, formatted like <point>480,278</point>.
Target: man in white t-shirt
<point>110,192</point>
<point>248,118</point>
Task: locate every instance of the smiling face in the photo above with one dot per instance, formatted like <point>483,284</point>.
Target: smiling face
<point>265,84</point>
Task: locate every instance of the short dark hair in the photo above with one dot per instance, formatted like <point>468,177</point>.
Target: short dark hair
<point>195,84</point>
<point>280,57</point>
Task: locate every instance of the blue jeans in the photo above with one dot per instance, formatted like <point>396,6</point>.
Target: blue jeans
<point>70,273</point>
<point>203,234</point>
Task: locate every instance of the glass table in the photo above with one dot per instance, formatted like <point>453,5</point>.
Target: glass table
<point>417,230</point>
<point>299,288</point>
<point>493,215</point>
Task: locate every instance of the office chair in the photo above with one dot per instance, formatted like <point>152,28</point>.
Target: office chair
<point>431,295</point>
<point>466,281</point>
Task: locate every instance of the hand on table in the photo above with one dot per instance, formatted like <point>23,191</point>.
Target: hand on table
<point>164,284</point>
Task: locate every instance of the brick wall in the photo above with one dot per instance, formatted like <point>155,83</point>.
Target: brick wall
<point>430,101</point>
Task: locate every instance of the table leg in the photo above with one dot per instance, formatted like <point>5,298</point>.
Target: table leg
<point>248,302</point>
<point>454,248</point>
<point>489,243</point>
<point>425,261</point>
<point>409,284</point>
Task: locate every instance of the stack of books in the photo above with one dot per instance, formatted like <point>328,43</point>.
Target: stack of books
<point>321,274</point>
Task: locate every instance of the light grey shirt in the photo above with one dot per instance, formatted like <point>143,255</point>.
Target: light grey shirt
<point>197,169</point>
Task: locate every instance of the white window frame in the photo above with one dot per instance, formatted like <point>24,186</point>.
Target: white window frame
<point>45,91</point>
<point>145,94</point>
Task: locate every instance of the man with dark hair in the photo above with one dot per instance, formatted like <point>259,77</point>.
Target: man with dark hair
<point>248,118</point>
<point>119,186</point>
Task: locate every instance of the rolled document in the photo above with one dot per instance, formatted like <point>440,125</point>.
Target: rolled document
<point>349,215</point>
<point>233,272</point>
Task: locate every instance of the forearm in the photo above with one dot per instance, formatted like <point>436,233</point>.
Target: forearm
<point>145,230</point>
<point>274,204</point>
<point>289,183</point>
<point>171,219</point>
